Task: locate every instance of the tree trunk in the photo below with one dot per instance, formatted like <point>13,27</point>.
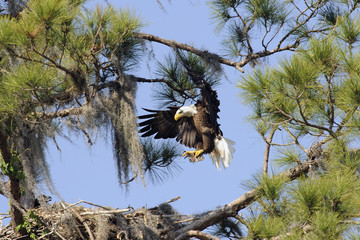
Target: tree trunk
<point>13,184</point>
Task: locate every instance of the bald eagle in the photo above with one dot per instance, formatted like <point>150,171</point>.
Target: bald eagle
<point>194,126</point>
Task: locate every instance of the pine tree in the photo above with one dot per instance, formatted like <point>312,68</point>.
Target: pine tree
<point>63,67</point>
<point>313,97</point>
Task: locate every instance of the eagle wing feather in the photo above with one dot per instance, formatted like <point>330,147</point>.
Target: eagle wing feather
<point>163,125</point>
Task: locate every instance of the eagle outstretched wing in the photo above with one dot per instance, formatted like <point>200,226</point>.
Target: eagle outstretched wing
<point>163,125</point>
<point>211,102</point>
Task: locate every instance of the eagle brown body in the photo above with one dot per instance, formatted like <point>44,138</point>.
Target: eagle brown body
<point>203,126</point>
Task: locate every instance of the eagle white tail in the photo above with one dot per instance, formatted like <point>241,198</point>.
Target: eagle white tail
<point>223,152</point>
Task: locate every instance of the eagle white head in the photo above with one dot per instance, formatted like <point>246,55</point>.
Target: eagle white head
<point>185,111</point>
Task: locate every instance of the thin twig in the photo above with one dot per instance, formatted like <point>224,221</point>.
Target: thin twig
<point>186,220</point>
<point>351,222</point>
<point>173,199</point>
<point>296,140</point>
<point>267,149</point>
<point>91,236</point>
<point>83,130</point>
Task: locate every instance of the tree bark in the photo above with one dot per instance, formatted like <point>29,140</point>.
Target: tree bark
<point>13,184</point>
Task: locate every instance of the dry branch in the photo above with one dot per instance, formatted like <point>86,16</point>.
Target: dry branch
<point>77,214</point>
<point>197,234</point>
<point>60,113</point>
<point>106,212</point>
<point>173,199</point>
<point>174,44</point>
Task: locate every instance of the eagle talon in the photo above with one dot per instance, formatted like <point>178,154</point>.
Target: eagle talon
<point>196,152</point>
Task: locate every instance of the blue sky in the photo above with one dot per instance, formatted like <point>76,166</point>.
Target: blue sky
<point>89,173</point>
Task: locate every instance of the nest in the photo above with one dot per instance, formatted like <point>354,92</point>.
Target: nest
<point>75,221</point>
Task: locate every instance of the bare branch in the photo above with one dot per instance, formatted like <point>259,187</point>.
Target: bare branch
<point>83,130</point>
<point>173,199</point>
<point>197,234</point>
<point>106,212</point>
<point>174,44</point>
<point>262,54</point>
<point>60,113</point>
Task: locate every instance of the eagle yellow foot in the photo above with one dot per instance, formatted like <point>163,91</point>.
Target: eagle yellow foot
<point>196,152</point>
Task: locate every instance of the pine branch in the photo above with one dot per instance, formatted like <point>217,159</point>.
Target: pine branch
<point>266,53</point>
<point>232,209</point>
<point>206,54</point>
<point>237,65</point>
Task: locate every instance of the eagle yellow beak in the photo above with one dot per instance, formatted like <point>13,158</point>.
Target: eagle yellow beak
<point>177,116</point>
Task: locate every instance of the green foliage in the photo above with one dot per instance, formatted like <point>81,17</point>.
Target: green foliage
<point>314,207</point>
<point>268,12</point>
<point>235,42</point>
<point>348,29</point>
<point>289,157</point>
<point>227,228</point>
<point>117,28</point>
<point>54,39</point>
<point>55,57</point>
<point>306,88</point>
<point>30,224</point>
<point>159,159</point>
<point>27,82</point>
<point>313,98</point>
<point>181,86</point>
<point>353,234</point>
<point>270,188</point>
<point>343,157</point>
<point>12,168</point>
<point>305,198</point>
<point>221,10</point>
<point>261,226</point>
<point>326,225</point>
<point>323,53</point>
<point>330,14</point>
